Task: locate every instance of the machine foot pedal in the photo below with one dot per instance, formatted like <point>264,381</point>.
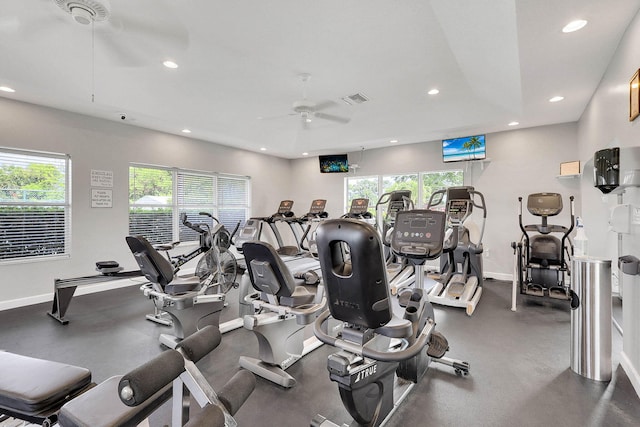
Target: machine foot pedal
<point>558,293</point>
<point>438,345</point>
<point>534,290</point>
<point>455,290</point>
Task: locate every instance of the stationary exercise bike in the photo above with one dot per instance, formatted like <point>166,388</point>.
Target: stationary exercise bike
<point>461,279</point>
<point>218,266</point>
<point>283,307</point>
<point>381,356</point>
<point>216,269</point>
<point>541,264</point>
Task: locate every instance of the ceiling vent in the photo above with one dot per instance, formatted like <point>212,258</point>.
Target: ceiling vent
<point>356,98</point>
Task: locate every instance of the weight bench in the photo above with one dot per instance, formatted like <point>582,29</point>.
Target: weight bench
<point>180,297</point>
<point>45,392</point>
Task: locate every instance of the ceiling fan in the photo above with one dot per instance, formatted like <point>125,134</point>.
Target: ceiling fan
<point>309,110</point>
<point>128,38</point>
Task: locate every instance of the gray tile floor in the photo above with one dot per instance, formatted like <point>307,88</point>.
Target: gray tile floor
<point>519,364</point>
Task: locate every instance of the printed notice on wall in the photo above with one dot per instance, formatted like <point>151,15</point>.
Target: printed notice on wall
<point>102,179</point>
<point>101,198</point>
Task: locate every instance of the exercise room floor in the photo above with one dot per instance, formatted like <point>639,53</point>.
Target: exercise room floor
<point>520,371</point>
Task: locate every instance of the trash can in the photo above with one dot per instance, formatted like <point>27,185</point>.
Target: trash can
<point>591,321</point>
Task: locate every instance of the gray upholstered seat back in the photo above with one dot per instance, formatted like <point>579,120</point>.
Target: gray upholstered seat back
<point>155,267</point>
<point>267,271</point>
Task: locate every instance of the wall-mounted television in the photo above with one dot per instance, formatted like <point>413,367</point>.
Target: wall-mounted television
<point>465,148</point>
<point>335,163</point>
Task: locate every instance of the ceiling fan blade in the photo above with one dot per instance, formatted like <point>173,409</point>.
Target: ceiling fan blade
<point>279,116</point>
<point>331,117</point>
<point>119,53</point>
<point>324,105</point>
<point>165,34</point>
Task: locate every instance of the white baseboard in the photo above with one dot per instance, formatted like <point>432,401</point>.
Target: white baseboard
<point>81,290</point>
<point>631,372</point>
<point>498,276</point>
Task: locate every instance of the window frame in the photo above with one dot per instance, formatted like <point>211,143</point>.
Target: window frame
<point>65,204</point>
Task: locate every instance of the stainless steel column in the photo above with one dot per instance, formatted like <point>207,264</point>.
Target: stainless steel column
<point>591,321</point>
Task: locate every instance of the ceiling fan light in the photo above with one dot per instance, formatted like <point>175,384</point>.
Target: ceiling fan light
<point>81,15</point>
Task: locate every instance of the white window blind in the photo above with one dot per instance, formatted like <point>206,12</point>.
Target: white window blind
<point>195,193</point>
<point>233,200</point>
<point>34,205</point>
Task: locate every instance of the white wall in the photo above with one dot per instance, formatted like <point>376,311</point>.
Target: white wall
<point>605,124</point>
<point>98,234</point>
<point>522,162</point>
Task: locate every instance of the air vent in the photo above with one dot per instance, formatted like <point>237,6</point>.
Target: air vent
<point>356,98</point>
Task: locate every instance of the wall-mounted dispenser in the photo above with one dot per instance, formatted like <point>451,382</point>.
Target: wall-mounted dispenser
<point>615,169</point>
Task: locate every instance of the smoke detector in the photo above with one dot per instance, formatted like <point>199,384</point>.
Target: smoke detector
<point>85,11</point>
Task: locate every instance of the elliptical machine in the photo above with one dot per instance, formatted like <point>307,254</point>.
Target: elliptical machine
<point>461,279</point>
<point>400,272</point>
<point>381,356</point>
<point>541,264</point>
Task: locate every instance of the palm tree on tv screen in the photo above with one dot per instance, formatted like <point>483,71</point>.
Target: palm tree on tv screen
<point>473,143</point>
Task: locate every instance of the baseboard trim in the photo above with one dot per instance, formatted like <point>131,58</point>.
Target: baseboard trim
<point>498,276</point>
<point>81,290</point>
<point>631,372</point>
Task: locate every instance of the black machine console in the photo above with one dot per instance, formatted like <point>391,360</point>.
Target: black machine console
<point>285,208</point>
<point>419,234</point>
<point>317,209</point>
<point>359,207</point>
<point>458,210</point>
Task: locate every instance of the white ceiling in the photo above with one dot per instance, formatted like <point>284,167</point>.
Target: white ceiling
<point>494,61</point>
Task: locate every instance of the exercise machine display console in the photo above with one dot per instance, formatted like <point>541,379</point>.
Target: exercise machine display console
<point>418,233</point>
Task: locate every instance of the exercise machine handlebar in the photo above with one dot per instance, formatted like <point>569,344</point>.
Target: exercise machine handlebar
<point>407,352</point>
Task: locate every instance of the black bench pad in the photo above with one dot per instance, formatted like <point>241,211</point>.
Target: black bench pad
<point>101,407</point>
<point>33,386</point>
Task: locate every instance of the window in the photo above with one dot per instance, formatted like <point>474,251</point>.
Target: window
<point>34,205</point>
<point>158,196</point>
<point>151,203</point>
<point>434,181</point>
<point>372,187</point>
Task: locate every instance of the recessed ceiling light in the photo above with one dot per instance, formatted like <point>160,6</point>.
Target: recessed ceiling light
<point>556,99</point>
<point>170,64</point>
<point>513,123</point>
<point>433,92</point>
<point>574,26</point>
<point>186,130</point>
<point>6,89</point>
<point>305,154</point>
<point>393,141</point>
<point>263,149</point>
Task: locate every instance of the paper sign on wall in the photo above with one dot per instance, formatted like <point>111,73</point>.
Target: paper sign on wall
<point>101,198</point>
<point>102,179</point>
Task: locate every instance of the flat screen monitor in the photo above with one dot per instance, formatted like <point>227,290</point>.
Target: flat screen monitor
<point>465,148</point>
<point>335,163</point>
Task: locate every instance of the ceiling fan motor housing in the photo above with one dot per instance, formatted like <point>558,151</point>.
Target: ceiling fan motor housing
<point>85,11</point>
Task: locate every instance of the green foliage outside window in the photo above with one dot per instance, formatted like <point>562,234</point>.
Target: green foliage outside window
<point>149,182</point>
<point>34,183</point>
